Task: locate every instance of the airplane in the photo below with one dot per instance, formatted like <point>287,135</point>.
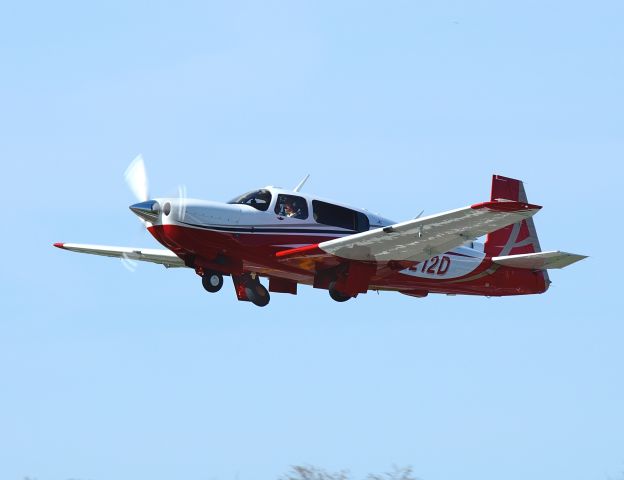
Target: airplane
<point>292,238</point>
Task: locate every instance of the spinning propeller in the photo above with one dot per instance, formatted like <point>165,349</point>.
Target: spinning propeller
<point>148,210</point>
<point>136,178</point>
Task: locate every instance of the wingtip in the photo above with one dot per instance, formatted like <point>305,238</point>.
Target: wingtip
<point>506,206</point>
<point>58,245</point>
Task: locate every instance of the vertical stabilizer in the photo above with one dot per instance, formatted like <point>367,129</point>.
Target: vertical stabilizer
<point>517,238</point>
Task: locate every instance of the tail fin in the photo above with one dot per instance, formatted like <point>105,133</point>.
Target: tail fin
<point>514,239</point>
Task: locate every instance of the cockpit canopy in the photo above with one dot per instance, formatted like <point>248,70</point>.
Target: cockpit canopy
<point>258,199</point>
<point>297,208</point>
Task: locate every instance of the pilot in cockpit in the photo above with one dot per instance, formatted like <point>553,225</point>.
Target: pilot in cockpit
<point>289,208</point>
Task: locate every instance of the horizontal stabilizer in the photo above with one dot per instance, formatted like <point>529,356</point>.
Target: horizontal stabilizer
<point>160,256</point>
<point>540,260</point>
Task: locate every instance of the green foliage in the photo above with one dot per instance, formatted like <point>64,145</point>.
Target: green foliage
<point>309,472</point>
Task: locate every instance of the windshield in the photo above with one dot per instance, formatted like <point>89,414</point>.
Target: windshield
<point>258,199</point>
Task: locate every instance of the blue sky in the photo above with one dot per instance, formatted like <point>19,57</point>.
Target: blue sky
<point>391,106</point>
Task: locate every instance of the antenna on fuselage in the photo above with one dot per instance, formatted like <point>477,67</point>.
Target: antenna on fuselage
<point>298,187</point>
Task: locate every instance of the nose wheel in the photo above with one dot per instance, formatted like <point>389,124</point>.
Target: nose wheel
<point>212,281</point>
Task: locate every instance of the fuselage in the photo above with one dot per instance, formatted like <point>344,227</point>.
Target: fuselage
<point>246,233</point>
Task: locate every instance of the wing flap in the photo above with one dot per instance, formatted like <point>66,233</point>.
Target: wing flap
<point>422,238</point>
<point>539,261</point>
<point>160,256</point>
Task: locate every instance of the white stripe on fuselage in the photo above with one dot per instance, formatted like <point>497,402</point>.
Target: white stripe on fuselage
<point>454,264</point>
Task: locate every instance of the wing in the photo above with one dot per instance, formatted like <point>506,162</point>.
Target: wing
<point>420,239</point>
<point>160,256</point>
<point>539,261</point>
<point>413,240</point>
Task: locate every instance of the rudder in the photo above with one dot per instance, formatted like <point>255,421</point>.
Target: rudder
<point>517,238</point>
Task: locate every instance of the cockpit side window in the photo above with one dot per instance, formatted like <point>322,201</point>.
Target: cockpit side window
<point>291,206</point>
<point>337,216</point>
<point>258,199</point>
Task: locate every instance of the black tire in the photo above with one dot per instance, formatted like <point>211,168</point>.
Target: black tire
<point>336,295</point>
<point>212,281</point>
<point>257,294</point>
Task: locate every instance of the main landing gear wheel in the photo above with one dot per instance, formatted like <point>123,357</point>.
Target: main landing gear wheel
<point>336,295</point>
<point>257,294</point>
<point>212,281</point>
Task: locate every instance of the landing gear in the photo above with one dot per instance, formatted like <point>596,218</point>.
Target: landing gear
<point>212,281</point>
<point>257,293</point>
<point>336,295</point>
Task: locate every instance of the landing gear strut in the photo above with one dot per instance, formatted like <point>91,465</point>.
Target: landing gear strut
<point>212,281</point>
<point>336,295</point>
<point>249,289</point>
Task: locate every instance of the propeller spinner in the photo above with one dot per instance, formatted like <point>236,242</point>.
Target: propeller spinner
<point>148,210</point>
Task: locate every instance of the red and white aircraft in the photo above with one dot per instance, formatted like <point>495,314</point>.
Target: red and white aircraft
<point>292,238</point>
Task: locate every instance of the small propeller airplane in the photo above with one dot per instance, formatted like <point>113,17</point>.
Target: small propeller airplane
<point>292,238</point>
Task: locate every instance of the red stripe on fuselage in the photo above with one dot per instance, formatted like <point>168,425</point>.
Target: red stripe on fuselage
<point>261,253</point>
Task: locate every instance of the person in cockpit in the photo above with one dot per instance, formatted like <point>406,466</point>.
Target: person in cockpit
<point>290,208</point>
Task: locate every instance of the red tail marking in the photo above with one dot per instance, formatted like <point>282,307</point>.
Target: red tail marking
<point>519,237</point>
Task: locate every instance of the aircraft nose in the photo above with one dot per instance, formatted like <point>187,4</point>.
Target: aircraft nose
<point>148,211</point>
